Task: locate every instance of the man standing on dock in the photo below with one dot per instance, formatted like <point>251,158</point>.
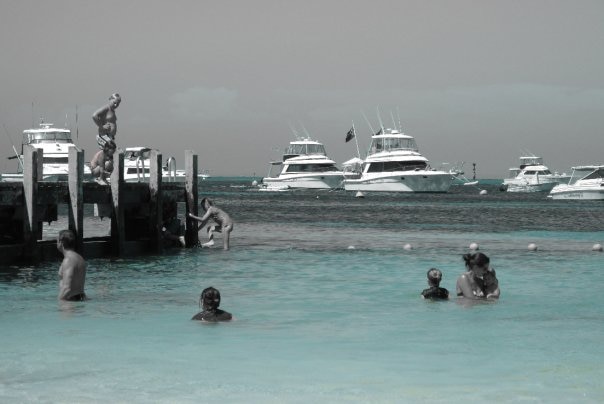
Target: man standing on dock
<point>72,272</point>
<point>106,120</point>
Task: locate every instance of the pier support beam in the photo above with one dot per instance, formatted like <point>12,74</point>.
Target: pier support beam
<point>118,231</point>
<point>30,194</point>
<point>192,197</point>
<point>155,202</point>
<point>76,196</point>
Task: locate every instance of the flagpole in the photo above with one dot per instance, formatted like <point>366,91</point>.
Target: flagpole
<point>354,132</point>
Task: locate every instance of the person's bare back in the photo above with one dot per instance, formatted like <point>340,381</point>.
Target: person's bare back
<point>72,272</point>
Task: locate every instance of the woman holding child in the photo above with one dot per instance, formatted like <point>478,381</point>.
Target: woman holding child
<point>480,280</point>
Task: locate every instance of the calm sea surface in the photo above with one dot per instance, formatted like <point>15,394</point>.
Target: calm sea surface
<point>326,305</point>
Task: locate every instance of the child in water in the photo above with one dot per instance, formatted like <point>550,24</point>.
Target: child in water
<point>435,291</point>
<point>209,301</point>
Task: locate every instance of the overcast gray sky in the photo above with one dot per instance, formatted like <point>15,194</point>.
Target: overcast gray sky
<point>476,81</point>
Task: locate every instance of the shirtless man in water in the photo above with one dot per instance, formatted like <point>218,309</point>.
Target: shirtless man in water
<point>72,272</point>
<point>220,217</point>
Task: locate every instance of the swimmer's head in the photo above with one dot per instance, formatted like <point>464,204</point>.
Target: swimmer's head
<point>206,204</point>
<point>434,277</point>
<point>67,238</point>
<point>476,260</point>
<point>210,299</point>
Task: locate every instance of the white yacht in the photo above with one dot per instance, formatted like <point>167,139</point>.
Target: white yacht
<point>532,176</point>
<point>55,144</point>
<point>586,182</point>
<point>394,164</point>
<point>305,165</point>
<point>137,166</point>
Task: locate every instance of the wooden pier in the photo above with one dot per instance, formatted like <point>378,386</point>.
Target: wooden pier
<point>135,209</point>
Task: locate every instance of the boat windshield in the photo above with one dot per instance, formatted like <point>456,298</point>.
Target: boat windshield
<point>305,148</point>
<point>310,168</point>
<point>389,166</point>
<point>46,137</point>
<point>388,144</point>
<point>597,174</point>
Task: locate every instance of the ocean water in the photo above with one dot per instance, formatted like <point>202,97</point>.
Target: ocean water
<point>327,308</point>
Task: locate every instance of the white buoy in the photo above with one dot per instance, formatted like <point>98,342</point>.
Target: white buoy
<point>532,247</point>
<point>408,247</point>
<point>351,247</point>
<point>474,246</point>
<point>254,183</point>
<point>597,247</point>
<point>359,194</point>
<point>483,192</point>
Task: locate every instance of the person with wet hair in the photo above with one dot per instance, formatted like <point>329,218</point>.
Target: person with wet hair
<point>224,223</point>
<point>106,120</point>
<point>480,280</point>
<point>209,302</point>
<point>72,272</point>
<point>435,292</point>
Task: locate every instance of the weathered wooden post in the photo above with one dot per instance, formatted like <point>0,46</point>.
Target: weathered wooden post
<point>76,196</point>
<point>118,231</point>
<point>30,194</point>
<point>192,197</point>
<point>155,201</point>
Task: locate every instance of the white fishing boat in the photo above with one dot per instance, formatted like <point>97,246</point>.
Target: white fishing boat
<point>55,144</point>
<point>394,164</point>
<point>304,165</point>
<point>532,176</point>
<point>586,183</point>
<point>137,166</point>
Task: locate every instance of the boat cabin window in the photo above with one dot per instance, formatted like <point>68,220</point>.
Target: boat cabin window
<point>389,166</point>
<point>310,168</point>
<point>305,148</point>
<point>134,170</point>
<point>133,155</point>
<point>46,137</point>
<point>55,160</point>
<point>392,144</point>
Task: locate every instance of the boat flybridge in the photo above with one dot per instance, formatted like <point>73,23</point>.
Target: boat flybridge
<point>586,182</point>
<point>55,144</point>
<point>394,164</point>
<point>304,165</point>
<point>532,176</point>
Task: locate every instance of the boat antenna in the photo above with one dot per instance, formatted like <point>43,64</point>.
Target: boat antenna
<point>380,118</point>
<point>77,128</point>
<point>305,131</point>
<point>368,123</point>
<point>398,115</point>
<point>32,114</point>
<point>17,156</point>
<point>354,132</point>
<point>294,131</point>
<point>393,121</point>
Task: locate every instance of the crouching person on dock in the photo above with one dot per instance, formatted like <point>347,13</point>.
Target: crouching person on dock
<point>101,164</point>
<point>72,272</point>
<point>224,223</point>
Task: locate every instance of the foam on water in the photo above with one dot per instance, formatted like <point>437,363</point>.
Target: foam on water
<point>316,321</point>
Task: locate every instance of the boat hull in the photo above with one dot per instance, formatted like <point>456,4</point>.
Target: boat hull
<point>574,193</point>
<point>416,181</point>
<point>524,187</point>
<point>323,181</point>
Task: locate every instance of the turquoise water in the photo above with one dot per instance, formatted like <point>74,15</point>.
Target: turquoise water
<point>317,320</point>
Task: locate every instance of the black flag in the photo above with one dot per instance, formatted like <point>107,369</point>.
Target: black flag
<point>350,135</point>
<point>379,132</point>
